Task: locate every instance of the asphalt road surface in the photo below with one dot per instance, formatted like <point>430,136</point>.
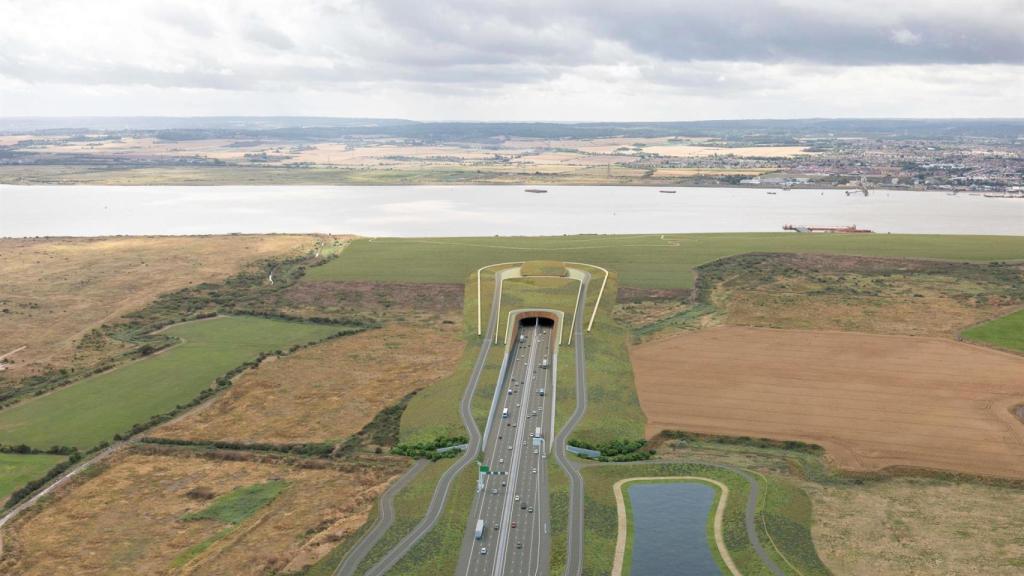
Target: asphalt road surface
<point>512,497</point>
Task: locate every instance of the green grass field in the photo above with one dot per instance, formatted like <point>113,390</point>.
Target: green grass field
<point>240,503</point>
<point>18,469</point>
<point>1006,332</point>
<point>93,410</point>
<point>645,261</point>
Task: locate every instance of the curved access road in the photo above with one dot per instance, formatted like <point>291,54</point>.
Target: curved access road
<point>750,512</point>
<point>440,496</point>
<point>385,518</point>
<point>574,555</point>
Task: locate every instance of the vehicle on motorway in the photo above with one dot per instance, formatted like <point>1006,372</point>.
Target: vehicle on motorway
<point>540,392</point>
<point>522,506</point>
<point>494,490</point>
<point>519,545</point>
<point>535,451</point>
<point>504,413</point>
<point>509,391</point>
<point>479,533</point>
<point>513,524</point>
<point>483,551</point>
<point>537,433</point>
<point>495,525</point>
<point>530,510</point>
<point>517,497</point>
<point>501,460</point>
<point>544,363</point>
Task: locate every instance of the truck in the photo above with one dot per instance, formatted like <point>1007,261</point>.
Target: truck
<point>479,534</point>
<point>504,413</point>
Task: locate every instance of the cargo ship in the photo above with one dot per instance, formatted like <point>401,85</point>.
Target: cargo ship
<point>536,191</point>
<point>827,229</point>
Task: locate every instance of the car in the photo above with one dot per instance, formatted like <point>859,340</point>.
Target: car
<point>513,524</point>
<point>509,446</point>
<point>534,470</point>
<point>530,510</point>
<point>501,460</point>
<point>494,490</point>
<point>531,435</point>
<point>519,545</point>
<point>500,436</point>
<point>514,425</point>
<point>509,391</point>
<point>522,506</point>
<point>495,525</point>
<point>517,405</point>
<point>517,497</point>
<point>508,423</point>
<point>504,483</point>
<point>483,551</point>
<point>534,451</point>
<point>524,443</point>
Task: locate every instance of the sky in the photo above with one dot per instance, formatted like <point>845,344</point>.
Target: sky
<point>520,60</point>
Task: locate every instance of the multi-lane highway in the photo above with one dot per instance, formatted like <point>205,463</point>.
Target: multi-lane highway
<point>511,505</point>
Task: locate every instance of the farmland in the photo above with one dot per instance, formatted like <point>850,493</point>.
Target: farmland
<point>95,409</point>
<point>644,261</point>
<point>872,401</point>
<point>325,392</point>
<point>58,289</point>
<point>203,515</point>
<point>18,469</point>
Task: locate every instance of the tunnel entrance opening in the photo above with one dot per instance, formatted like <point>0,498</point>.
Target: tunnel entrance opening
<point>536,320</point>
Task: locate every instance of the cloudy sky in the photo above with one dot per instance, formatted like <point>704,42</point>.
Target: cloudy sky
<point>514,60</point>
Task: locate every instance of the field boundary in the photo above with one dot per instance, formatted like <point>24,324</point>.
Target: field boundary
<point>623,522</point>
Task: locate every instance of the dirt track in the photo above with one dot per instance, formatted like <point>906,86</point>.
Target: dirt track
<point>872,401</point>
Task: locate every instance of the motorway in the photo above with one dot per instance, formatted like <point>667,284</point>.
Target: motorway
<point>512,498</point>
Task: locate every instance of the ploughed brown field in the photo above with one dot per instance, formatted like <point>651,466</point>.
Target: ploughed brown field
<point>872,401</point>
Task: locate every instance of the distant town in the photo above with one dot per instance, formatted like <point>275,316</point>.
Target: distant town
<point>984,156</point>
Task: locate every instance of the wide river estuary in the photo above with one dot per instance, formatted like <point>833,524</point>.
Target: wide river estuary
<point>486,210</point>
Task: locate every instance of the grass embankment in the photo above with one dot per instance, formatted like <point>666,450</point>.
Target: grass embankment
<point>613,409</point>
<point>16,470</point>
<point>1006,332</point>
<point>544,268</point>
<point>644,261</point>
<point>438,551</point>
<point>94,410</point>
<point>600,518</point>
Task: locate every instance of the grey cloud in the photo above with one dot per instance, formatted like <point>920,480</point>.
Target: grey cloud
<point>255,30</point>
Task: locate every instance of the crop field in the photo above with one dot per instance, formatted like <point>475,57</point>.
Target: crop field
<point>880,295</point>
<point>16,470</point>
<point>872,401</point>
<point>202,515</point>
<point>93,410</point>
<point>55,290</point>
<point>644,261</point>
<point>325,392</point>
<point>1006,332</point>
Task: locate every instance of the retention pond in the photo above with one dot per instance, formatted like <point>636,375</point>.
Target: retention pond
<point>670,529</point>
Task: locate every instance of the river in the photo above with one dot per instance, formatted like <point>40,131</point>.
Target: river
<point>485,210</point>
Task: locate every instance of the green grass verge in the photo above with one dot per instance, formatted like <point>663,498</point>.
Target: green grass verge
<point>16,470</point>
<point>645,261</point>
<point>410,506</point>
<point>785,527</point>
<point>240,503</point>
<point>558,501</point>
<point>94,410</point>
<point>613,408</point>
<point>1006,332</point>
<point>438,551</point>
